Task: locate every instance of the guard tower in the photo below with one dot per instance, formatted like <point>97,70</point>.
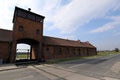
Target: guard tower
<point>28,29</point>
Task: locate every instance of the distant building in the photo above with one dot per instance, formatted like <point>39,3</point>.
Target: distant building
<point>28,29</point>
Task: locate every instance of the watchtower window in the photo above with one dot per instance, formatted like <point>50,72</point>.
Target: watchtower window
<point>22,13</point>
<point>37,31</point>
<point>31,16</point>
<point>39,19</point>
<point>20,28</point>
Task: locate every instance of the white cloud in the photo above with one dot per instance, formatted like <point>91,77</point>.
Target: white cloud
<point>108,26</point>
<point>66,18</point>
<point>43,7</point>
<point>6,14</point>
<point>79,12</point>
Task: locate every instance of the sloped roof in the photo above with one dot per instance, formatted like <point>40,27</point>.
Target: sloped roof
<point>26,11</point>
<point>65,42</point>
<point>87,44</point>
<point>5,35</point>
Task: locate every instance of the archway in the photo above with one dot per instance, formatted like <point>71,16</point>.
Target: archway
<point>23,52</point>
<point>27,50</point>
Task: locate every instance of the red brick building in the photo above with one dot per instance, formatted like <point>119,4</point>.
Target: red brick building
<point>28,29</point>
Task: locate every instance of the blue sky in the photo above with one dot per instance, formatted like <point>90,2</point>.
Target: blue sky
<point>96,21</point>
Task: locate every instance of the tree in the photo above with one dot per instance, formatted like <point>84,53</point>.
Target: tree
<point>116,50</point>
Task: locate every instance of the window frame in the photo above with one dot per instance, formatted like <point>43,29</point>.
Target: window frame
<point>20,28</point>
<point>37,31</point>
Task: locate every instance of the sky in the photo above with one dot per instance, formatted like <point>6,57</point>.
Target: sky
<point>96,21</point>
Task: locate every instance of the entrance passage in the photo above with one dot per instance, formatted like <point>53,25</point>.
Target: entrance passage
<point>27,51</point>
<point>23,52</point>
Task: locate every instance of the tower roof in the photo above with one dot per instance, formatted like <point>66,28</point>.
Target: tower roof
<point>27,14</point>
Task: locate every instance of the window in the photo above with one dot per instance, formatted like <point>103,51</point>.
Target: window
<point>74,51</point>
<point>39,19</point>
<point>60,51</point>
<point>47,49</point>
<point>31,16</point>
<point>67,50</point>
<point>22,13</point>
<point>79,52</point>
<point>20,28</point>
<point>37,31</point>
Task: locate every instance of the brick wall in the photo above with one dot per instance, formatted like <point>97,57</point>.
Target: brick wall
<point>29,29</point>
<point>56,52</point>
<point>4,47</point>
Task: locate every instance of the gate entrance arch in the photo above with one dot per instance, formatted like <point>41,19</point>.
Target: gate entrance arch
<point>34,52</point>
<point>29,55</point>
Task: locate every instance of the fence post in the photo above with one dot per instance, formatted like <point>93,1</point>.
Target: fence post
<point>27,53</point>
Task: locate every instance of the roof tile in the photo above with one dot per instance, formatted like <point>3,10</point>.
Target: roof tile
<point>65,42</point>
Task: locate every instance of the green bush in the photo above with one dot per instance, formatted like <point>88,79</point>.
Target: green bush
<point>116,50</point>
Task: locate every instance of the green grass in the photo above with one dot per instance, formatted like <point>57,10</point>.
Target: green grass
<point>107,53</point>
<point>22,56</point>
<point>99,54</point>
<point>52,61</point>
<point>102,54</point>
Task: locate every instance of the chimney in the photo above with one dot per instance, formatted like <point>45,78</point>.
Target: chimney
<point>29,9</point>
<point>78,41</point>
<point>87,42</point>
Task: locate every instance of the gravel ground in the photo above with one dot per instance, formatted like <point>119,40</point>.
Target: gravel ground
<point>116,68</point>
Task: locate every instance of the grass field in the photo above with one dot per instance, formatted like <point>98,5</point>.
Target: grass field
<point>107,53</point>
<point>99,54</point>
<point>22,56</point>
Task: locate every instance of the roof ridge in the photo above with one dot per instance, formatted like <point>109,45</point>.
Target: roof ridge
<point>5,29</point>
<point>61,38</point>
